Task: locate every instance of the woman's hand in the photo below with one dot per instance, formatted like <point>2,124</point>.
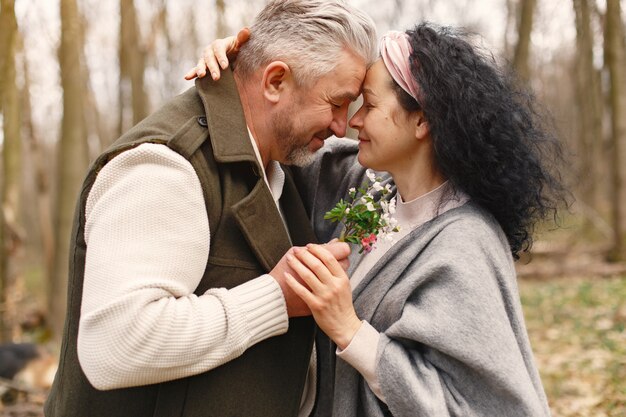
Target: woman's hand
<point>218,51</point>
<point>330,294</point>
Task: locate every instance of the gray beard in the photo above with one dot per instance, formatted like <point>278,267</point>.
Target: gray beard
<point>300,157</point>
<point>289,142</point>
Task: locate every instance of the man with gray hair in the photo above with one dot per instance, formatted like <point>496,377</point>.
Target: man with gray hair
<point>177,304</point>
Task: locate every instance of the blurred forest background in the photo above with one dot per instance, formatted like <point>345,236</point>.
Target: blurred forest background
<point>75,74</point>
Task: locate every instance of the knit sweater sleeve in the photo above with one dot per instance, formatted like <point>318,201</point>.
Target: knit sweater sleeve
<point>147,236</point>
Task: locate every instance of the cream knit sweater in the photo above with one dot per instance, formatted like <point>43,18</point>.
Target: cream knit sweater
<point>140,322</point>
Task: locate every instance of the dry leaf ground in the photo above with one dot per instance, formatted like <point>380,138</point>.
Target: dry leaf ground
<point>577,329</point>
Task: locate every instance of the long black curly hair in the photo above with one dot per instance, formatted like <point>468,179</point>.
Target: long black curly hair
<point>489,137</point>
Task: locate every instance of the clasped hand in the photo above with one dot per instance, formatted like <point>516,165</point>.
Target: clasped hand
<point>325,288</point>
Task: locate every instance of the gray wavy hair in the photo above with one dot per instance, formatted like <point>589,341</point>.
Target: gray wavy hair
<point>309,36</point>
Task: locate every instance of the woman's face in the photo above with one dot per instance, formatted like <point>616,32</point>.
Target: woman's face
<point>386,131</point>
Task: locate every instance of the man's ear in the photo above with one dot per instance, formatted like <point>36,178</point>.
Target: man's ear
<point>422,128</point>
<point>276,78</point>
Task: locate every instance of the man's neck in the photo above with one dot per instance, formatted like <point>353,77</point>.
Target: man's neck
<point>251,103</point>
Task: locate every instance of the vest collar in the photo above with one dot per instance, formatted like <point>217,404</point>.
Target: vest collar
<point>226,123</point>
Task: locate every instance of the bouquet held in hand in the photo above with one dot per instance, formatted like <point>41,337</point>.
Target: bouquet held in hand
<point>366,219</point>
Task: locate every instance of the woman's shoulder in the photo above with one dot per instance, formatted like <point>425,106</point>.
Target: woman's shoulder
<point>470,230</point>
<point>467,216</point>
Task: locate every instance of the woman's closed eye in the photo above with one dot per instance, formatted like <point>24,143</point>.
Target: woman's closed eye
<point>368,105</point>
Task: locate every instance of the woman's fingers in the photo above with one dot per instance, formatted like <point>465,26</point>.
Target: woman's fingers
<point>300,290</point>
<point>211,56</point>
<point>242,37</point>
<point>198,71</point>
<point>304,272</point>
<point>216,52</point>
<point>315,264</point>
<point>215,56</point>
<point>191,74</point>
<point>327,258</point>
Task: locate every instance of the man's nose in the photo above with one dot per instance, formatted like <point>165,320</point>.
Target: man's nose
<point>340,122</point>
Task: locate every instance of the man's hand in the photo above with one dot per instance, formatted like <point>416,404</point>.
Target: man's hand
<point>340,251</point>
<point>218,51</point>
<point>295,306</point>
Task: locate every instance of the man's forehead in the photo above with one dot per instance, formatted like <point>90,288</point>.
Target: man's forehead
<point>346,79</point>
<point>349,88</point>
<point>348,95</point>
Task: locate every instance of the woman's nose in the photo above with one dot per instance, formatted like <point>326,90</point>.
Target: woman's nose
<point>356,121</point>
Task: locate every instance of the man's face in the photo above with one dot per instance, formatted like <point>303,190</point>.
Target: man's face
<point>317,112</point>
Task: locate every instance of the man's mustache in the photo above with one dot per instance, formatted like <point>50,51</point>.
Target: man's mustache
<point>324,134</point>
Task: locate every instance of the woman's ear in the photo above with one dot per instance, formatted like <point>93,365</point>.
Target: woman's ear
<point>422,128</point>
<point>276,78</point>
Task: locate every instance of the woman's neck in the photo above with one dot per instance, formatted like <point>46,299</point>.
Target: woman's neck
<point>417,178</point>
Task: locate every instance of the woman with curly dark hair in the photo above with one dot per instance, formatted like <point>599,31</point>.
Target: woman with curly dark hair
<point>431,323</point>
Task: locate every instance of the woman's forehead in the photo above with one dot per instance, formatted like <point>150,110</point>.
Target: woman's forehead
<point>377,76</point>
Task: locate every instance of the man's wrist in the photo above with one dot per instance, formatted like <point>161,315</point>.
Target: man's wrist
<point>264,306</point>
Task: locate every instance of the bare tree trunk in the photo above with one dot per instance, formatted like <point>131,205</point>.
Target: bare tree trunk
<point>511,18</point>
<point>96,129</point>
<point>614,58</point>
<point>132,66</point>
<point>7,35</point>
<point>510,28</point>
<point>588,106</point>
<point>524,30</point>
<point>167,66</point>
<point>72,157</point>
<point>11,234</point>
<point>191,34</point>
<point>42,183</point>
<point>220,24</point>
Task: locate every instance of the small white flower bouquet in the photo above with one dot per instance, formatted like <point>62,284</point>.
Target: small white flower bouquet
<point>365,220</point>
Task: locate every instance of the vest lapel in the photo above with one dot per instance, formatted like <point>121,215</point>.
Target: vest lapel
<point>256,214</point>
<point>226,121</point>
<point>261,225</point>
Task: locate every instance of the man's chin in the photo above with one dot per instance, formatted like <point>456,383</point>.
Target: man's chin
<point>301,157</point>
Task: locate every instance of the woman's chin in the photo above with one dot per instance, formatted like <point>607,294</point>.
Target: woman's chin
<point>365,161</point>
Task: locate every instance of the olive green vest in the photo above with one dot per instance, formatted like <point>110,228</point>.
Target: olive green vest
<point>206,126</point>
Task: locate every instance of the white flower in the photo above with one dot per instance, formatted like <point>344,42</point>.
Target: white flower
<point>370,174</point>
<point>370,206</point>
<point>347,210</point>
<point>376,186</point>
<point>392,205</point>
<point>387,237</point>
<point>388,188</point>
<point>352,190</point>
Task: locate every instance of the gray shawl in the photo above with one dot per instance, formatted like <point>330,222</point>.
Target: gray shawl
<point>445,299</point>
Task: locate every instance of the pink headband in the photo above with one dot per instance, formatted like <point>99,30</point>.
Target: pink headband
<point>395,50</point>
